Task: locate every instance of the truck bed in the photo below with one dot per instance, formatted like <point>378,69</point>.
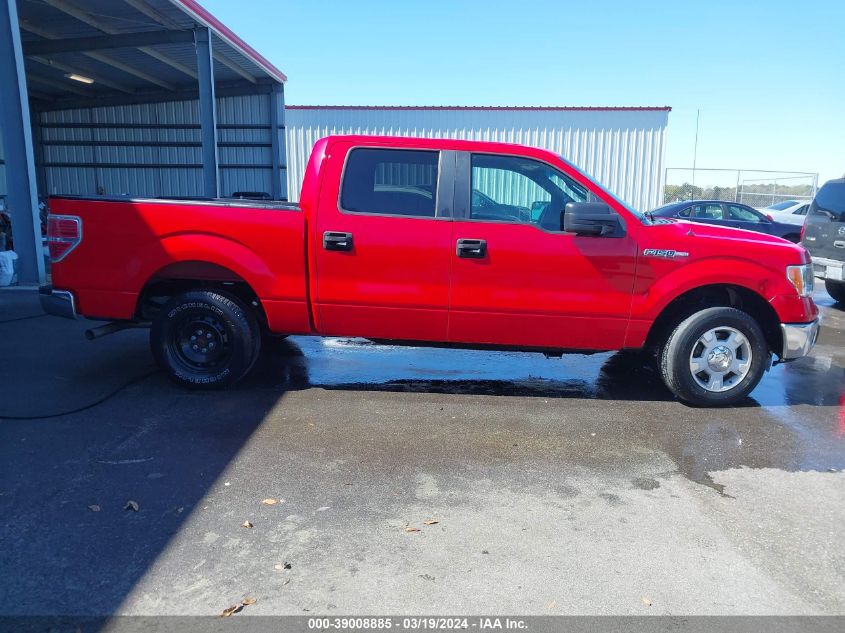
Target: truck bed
<point>128,243</point>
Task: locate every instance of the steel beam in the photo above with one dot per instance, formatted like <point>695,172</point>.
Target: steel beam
<point>90,20</point>
<point>157,16</point>
<point>73,70</point>
<point>208,114</point>
<point>104,42</point>
<point>100,57</point>
<point>277,139</point>
<point>22,194</point>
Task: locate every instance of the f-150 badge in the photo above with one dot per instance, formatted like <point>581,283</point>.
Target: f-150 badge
<point>664,253</point>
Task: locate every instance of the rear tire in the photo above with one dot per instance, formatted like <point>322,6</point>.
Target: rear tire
<point>835,289</point>
<point>205,340</point>
<point>714,358</point>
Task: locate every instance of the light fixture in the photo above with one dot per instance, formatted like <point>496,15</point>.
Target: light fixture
<point>80,78</point>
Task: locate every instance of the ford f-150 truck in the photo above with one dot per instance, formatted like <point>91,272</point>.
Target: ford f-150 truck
<point>435,242</point>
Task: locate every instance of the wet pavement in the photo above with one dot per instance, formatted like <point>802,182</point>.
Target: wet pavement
<point>573,485</point>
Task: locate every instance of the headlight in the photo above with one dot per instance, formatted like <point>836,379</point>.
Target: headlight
<point>802,278</point>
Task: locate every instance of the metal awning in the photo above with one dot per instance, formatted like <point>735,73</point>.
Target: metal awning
<point>132,50</point>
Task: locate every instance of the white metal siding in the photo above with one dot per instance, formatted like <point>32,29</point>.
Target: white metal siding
<point>622,149</point>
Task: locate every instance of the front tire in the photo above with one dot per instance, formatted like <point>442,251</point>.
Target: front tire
<point>205,340</point>
<point>714,358</point>
<point>836,289</point>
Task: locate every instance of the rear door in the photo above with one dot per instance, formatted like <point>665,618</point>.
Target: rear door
<point>824,229</point>
<point>742,217</point>
<point>383,243</point>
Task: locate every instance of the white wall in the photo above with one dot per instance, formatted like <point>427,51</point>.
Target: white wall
<point>621,148</point>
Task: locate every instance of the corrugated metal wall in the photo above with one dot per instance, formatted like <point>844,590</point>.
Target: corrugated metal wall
<point>622,149</point>
<point>154,149</point>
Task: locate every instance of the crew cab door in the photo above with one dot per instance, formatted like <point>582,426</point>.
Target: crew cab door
<point>517,278</point>
<point>382,243</point>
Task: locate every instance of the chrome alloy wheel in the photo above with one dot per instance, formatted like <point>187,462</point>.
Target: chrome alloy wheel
<point>720,359</point>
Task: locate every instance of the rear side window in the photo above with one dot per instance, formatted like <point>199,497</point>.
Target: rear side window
<point>742,214</point>
<point>830,202</point>
<point>390,182</point>
<point>707,211</point>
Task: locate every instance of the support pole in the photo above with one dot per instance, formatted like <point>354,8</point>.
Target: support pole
<point>208,113</point>
<point>22,195</point>
<point>277,139</point>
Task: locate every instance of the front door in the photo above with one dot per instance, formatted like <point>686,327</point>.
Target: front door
<point>383,244</point>
<point>517,279</point>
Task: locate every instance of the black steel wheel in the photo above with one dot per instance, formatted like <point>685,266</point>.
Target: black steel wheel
<point>205,340</point>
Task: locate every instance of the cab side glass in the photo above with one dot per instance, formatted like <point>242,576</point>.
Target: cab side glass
<point>390,182</point>
<point>521,190</point>
<point>830,202</point>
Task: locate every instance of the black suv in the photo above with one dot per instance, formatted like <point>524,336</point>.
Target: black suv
<point>824,236</point>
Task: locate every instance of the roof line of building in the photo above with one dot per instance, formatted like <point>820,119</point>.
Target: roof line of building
<point>507,108</point>
<point>204,17</point>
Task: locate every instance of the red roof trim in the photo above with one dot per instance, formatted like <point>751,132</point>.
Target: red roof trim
<point>202,15</point>
<point>508,108</point>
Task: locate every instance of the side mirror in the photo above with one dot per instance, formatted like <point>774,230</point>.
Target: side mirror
<point>590,219</point>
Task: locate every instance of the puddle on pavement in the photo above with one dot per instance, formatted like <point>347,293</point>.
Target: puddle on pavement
<point>795,419</point>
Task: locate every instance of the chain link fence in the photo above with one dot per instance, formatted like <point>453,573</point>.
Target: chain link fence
<point>756,188</point>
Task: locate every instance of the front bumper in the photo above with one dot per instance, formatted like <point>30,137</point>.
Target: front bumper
<point>57,302</point>
<point>799,338</point>
<point>832,269</point>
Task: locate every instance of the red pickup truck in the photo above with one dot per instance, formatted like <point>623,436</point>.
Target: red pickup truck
<point>435,242</point>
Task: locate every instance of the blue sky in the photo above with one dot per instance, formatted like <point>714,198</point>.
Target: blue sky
<point>768,77</point>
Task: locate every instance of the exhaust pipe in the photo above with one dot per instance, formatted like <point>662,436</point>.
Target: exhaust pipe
<point>111,328</point>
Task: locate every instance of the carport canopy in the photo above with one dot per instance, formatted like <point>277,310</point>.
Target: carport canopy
<point>60,54</point>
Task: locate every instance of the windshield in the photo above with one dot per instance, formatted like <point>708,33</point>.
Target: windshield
<point>640,216</point>
<point>780,206</point>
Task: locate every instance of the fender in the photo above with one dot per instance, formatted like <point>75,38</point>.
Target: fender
<point>202,247</point>
<point>659,283</point>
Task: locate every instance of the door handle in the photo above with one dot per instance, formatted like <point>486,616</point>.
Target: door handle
<point>337,241</point>
<point>472,249</point>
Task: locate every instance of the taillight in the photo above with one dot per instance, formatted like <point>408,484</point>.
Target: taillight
<point>803,226</point>
<point>64,232</point>
<point>769,215</point>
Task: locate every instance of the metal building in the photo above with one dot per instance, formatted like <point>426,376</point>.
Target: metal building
<point>623,148</point>
<point>136,97</point>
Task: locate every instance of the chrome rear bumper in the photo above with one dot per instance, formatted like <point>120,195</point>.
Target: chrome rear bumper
<point>799,338</point>
<point>57,302</point>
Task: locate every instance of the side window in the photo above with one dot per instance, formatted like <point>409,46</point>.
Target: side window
<point>516,189</point>
<point>390,181</point>
<point>741,214</point>
<point>801,210</point>
<point>830,201</point>
<point>707,211</point>
<point>684,213</point>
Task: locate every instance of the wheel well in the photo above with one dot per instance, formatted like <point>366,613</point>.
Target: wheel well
<point>184,276</point>
<point>723,295</point>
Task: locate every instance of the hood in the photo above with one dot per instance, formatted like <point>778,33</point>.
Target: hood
<point>707,240</point>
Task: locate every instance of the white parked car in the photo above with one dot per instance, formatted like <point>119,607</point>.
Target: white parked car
<point>788,211</point>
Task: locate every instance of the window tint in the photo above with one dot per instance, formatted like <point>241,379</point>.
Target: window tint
<point>781,206</point>
<point>741,214</point>
<point>514,189</point>
<point>801,210</point>
<point>710,211</point>
<point>830,201</point>
<point>390,181</point>
<point>684,213</point>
